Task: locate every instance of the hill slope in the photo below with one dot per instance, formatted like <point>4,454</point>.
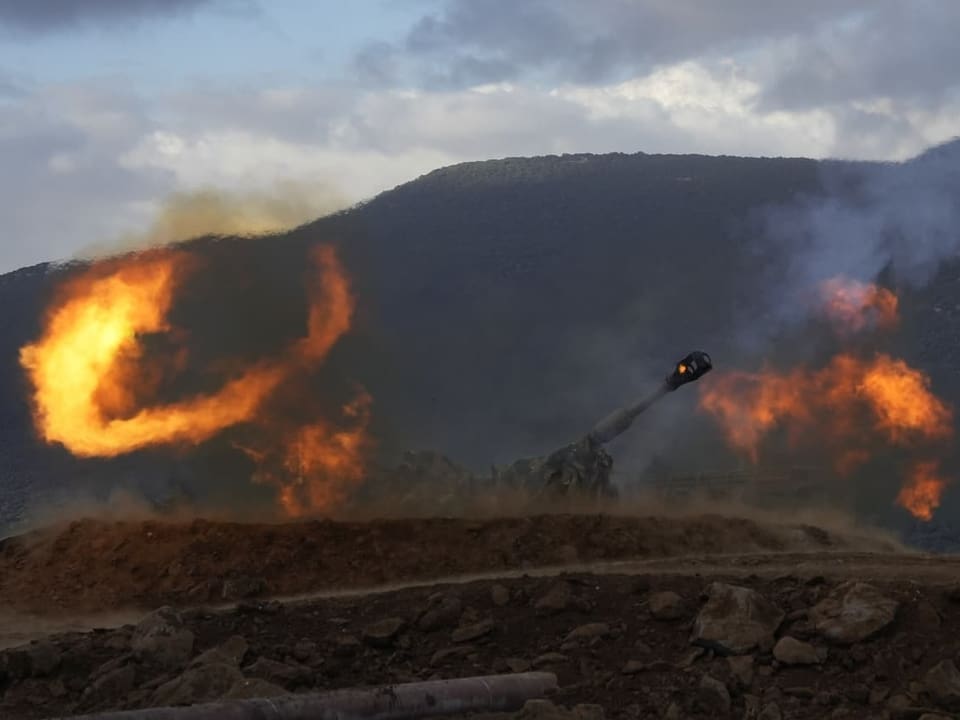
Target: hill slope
<point>504,306</point>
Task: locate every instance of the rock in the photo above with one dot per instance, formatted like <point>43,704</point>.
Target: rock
<point>499,595</point>
<point>382,633</point>
<point>713,696</point>
<point>770,711</point>
<point>243,587</point>
<point>772,694</point>
<point>559,597</point>
<point>517,665</point>
<point>44,658</point>
<point>900,703</point>
<point>915,690</point>
<point>588,631</point>
<point>804,692</point>
<point>926,617</point>
<point>441,656</point>
<point>791,651</point>
<point>305,650</point>
<point>634,666</point>
<point>118,641</point>
<point>346,646</point>
<point>877,695</point>
<point>741,669</point>
<point>933,716</point>
<point>57,688</point>
<point>111,665</point>
<point>942,682</point>
<point>280,673</point>
<point>254,688</point>
<point>666,606</point>
<point>825,698</point>
<point>114,684</point>
<point>161,639</point>
<point>203,683</point>
<point>539,709</point>
<point>858,693</point>
<point>585,711</point>
<point>31,693</point>
<point>853,612</point>
<point>203,591</point>
<point>231,652</point>
<point>548,659</point>
<point>691,657</point>
<point>443,610</point>
<point>735,620</point>
<point>673,712</point>
<point>473,631</point>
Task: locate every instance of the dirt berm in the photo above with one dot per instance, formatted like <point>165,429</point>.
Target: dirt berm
<point>96,566</point>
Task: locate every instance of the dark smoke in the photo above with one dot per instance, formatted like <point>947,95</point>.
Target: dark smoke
<point>895,224</point>
<point>899,220</point>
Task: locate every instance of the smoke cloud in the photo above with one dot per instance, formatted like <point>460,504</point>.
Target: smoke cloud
<point>215,212</point>
<point>902,219</point>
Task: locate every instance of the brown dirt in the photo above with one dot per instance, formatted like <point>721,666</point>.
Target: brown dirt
<point>96,566</point>
<point>123,569</point>
<point>863,681</point>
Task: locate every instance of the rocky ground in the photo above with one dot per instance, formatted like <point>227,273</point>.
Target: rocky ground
<point>803,634</point>
<point>94,566</point>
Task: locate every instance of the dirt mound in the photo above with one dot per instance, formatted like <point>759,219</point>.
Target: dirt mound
<point>98,566</point>
<point>623,642</point>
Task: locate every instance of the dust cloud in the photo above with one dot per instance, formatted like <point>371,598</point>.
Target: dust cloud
<point>216,212</point>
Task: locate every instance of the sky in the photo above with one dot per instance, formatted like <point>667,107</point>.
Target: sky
<point>110,107</point>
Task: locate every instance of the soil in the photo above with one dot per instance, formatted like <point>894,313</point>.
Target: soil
<point>630,652</point>
<point>96,566</point>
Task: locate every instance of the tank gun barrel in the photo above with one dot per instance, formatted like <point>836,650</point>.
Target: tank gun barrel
<point>687,370</point>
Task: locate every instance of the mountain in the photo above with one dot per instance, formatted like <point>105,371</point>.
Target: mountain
<point>504,306</point>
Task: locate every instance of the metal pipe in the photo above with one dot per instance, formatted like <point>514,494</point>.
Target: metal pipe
<point>490,693</point>
<point>619,420</point>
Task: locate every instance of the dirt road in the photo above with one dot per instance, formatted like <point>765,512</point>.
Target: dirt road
<point>623,633</point>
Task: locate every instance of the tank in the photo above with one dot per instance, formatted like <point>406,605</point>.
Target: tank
<point>584,466</point>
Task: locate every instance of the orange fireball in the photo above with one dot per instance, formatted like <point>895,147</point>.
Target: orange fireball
<point>90,374</point>
<point>853,306</point>
<point>80,366</point>
<point>920,496</point>
<point>844,406</point>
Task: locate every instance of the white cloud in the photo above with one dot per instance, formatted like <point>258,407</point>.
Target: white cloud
<point>100,161</point>
<point>239,160</point>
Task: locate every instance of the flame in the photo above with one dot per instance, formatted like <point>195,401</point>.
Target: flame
<point>93,379</point>
<point>835,404</point>
<point>323,463</point>
<point>854,306</point>
<point>80,366</point>
<point>920,495</point>
<point>847,407</point>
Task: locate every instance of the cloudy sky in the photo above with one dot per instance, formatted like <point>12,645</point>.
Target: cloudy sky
<point>107,107</point>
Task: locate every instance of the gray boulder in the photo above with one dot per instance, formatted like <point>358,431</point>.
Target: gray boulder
<point>791,651</point>
<point>203,683</point>
<point>735,620</point>
<point>853,612</point>
<point>666,606</point>
<point>942,683</point>
<point>161,639</point>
